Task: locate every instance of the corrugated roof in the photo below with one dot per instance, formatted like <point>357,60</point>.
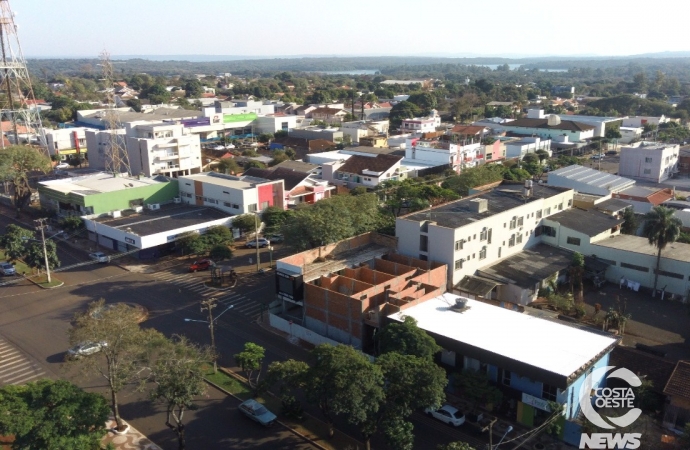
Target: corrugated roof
<point>591,177</point>
<point>590,222</point>
<point>566,125</point>
<point>380,163</point>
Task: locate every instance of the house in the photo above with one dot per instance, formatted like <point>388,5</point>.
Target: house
<point>380,141</point>
<point>300,187</point>
<point>641,121</point>
<point>630,134</point>
<point>531,359</point>
<point>329,134</point>
<point>231,194</point>
<point>274,122</point>
<point>421,124</point>
<point>328,115</point>
<point>481,229</point>
<point>588,181</point>
<point>649,161</point>
<point>519,148</point>
<point>536,124</point>
<point>368,171</point>
<point>599,123</point>
<point>472,133</point>
<point>643,199</point>
<point>363,128</point>
<point>102,193</point>
<point>684,160</point>
<point>437,152</point>
<point>65,142</point>
<point>677,390</point>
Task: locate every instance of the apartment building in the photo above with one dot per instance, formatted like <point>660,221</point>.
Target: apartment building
<point>649,161</point>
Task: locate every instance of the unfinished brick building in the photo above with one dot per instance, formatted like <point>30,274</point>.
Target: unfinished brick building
<point>348,305</point>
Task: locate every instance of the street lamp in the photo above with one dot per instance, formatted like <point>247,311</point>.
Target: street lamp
<point>208,305</point>
<point>510,428</point>
<point>270,252</point>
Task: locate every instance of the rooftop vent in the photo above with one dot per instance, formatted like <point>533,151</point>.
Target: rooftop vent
<point>479,205</point>
<point>553,120</point>
<point>460,305</point>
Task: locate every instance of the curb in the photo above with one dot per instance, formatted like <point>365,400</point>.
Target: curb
<point>292,430</point>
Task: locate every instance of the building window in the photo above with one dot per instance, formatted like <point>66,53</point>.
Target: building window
<point>549,392</point>
<point>458,245</point>
<point>547,211</point>
<point>520,221</point>
<point>198,197</point>
<point>519,238</point>
<point>458,264</point>
<point>570,203</point>
<point>648,160</point>
<point>513,223</point>
<point>506,378</point>
<point>422,257</point>
<point>549,231</point>
<point>423,243</point>
<point>264,205</point>
<point>228,205</point>
<point>511,241</point>
<point>539,214</point>
<point>634,267</point>
<point>484,234</point>
<point>669,274</point>
<point>252,207</point>
<point>560,206</point>
<point>573,240</point>
<point>482,253</point>
<point>647,171</point>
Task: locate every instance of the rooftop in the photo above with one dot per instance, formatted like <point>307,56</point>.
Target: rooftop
<point>159,114</point>
<point>231,181</point>
<point>566,125</point>
<point>459,213</point>
<point>658,370</point>
<point>379,163</point>
<point>98,183</point>
<point>291,178</point>
<point>167,218</point>
<point>636,244</point>
<point>612,205</point>
<point>592,177</point>
<point>590,222</point>
<point>679,383</point>
<point>529,267</point>
<point>539,343</point>
<point>297,165</point>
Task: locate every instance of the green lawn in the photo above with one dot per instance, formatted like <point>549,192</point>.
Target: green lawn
<point>19,265</point>
<point>40,280</point>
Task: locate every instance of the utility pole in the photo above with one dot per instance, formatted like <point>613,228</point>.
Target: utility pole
<point>208,305</point>
<point>256,241</point>
<point>41,225</point>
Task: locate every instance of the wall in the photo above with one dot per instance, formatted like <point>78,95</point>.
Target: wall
<point>663,161</point>
<point>299,331</point>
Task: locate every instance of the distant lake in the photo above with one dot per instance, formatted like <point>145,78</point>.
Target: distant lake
<point>345,72</point>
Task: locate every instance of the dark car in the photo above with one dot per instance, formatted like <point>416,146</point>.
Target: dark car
<point>202,264</point>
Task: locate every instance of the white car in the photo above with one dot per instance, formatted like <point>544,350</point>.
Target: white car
<point>262,242</point>
<point>7,268</point>
<point>596,157</point>
<point>447,414</point>
<point>85,349</point>
<point>100,257</point>
<point>63,165</point>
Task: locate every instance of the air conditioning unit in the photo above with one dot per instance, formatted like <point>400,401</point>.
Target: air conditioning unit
<point>115,214</point>
<point>177,200</point>
<point>138,209</point>
<point>153,206</point>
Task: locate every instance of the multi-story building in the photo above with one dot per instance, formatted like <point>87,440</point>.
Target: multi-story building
<point>368,171</point>
<point>162,148</point>
<point>519,148</point>
<point>231,194</point>
<point>421,124</point>
<point>649,161</point>
<point>548,127</point>
<point>65,142</point>
<point>480,230</point>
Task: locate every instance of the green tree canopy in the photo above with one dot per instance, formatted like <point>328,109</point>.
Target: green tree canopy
<point>245,222</point>
<point>35,258</point>
<point>403,110</point>
<point>251,361</point>
<point>17,162</point>
<point>229,166</point>
<point>630,223</point>
<point>661,227</point>
<point>274,218</point>
<point>14,241</point>
<point>473,177</point>
<point>52,415</point>
<point>407,338</point>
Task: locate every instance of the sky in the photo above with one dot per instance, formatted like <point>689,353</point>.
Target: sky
<point>281,28</point>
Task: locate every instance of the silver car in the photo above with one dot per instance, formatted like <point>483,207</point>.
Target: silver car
<point>85,349</point>
<point>7,268</point>
<point>257,412</point>
<point>100,257</point>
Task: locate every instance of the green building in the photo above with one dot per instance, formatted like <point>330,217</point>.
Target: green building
<point>102,193</point>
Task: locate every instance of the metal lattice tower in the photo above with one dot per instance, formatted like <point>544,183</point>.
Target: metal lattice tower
<point>115,155</point>
<point>17,101</point>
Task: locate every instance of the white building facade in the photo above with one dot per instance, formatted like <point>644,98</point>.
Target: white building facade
<point>649,161</point>
<point>161,148</point>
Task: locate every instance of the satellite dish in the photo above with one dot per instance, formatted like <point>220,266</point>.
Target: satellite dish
<point>553,120</point>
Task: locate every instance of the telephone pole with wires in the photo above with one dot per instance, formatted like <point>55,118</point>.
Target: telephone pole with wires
<point>41,224</point>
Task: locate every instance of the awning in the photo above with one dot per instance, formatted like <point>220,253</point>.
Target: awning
<point>476,285</point>
<point>593,264</point>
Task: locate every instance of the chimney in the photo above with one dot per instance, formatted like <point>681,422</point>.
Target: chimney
<point>479,205</point>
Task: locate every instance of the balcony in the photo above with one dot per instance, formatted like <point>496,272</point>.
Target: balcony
<point>168,157</point>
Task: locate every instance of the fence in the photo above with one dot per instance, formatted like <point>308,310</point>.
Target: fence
<point>299,331</point>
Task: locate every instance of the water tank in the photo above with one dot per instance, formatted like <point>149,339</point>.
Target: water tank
<point>460,302</point>
<point>553,120</point>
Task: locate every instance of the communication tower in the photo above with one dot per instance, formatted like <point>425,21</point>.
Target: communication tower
<point>115,155</point>
<point>17,101</point>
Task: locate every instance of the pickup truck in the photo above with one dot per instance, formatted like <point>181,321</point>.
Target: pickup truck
<point>480,422</point>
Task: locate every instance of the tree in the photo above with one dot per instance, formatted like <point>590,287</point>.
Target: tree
<point>35,258</point>
<point>475,387</point>
<point>220,253</point>
<point>52,415</point>
<point>178,378</point>
<point>407,338</point>
<point>72,224</point>
<point>245,222</point>
<point>343,381</point>
<point>229,166</point>
<point>424,100</point>
<point>403,110</point>
<point>191,243</point>
<point>630,223</point>
<point>542,155</point>
<point>16,165</point>
<point>530,158</point>
<point>193,88</point>
<point>280,134</point>
<point>274,218</point>
<point>251,163</point>
<point>576,272</point>
<point>278,157</point>
<point>218,235</point>
<point>14,241</point>
<point>251,360</point>
<point>359,190</point>
<point>126,354</point>
<point>265,138</point>
<point>134,103</point>
<point>455,446</point>
<point>660,228</point>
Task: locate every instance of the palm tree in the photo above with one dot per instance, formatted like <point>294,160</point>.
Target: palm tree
<point>661,228</point>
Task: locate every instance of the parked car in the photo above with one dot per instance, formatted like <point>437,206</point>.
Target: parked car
<point>100,257</point>
<point>275,238</point>
<point>202,264</point>
<point>447,414</point>
<point>257,412</point>
<point>7,268</point>
<point>262,242</point>
<point>612,152</point>
<point>600,156</point>
<point>63,165</point>
<point>85,349</point>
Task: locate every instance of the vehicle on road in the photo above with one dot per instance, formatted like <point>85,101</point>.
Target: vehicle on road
<point>447,414</point>
<point>63,165</point>
<point>202,264</point>
<point>7,268</point>
<point>257,412</point>
<point>100,257</point>
<point>262,242</point>
<point>597,156</point>
<point>85,349</point>
<point>612,153</point>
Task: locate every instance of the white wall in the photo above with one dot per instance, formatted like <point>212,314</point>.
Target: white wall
<point>653,162</point>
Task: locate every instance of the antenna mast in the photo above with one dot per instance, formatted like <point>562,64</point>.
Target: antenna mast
<point>115,156</point>
<point>17,101</point>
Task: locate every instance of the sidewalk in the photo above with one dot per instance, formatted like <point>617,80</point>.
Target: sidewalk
<point>133,440</point>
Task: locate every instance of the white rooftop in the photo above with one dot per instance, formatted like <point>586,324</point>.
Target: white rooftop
<point>98,183</point>
<point>541,343</point>
<point>230,181</point>
<point>592,177</point>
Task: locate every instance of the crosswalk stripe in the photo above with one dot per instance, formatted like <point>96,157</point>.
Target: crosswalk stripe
<point>13,366</point>
<point>6,361</point>
<point>40,374</point>
<point>7,352</point>
<point>22,375</point>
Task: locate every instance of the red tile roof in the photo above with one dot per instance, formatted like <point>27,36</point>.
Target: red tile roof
<point>468,129</point>
<point>679,383</point>
<point>7,126</point>
<point>380,163</point>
